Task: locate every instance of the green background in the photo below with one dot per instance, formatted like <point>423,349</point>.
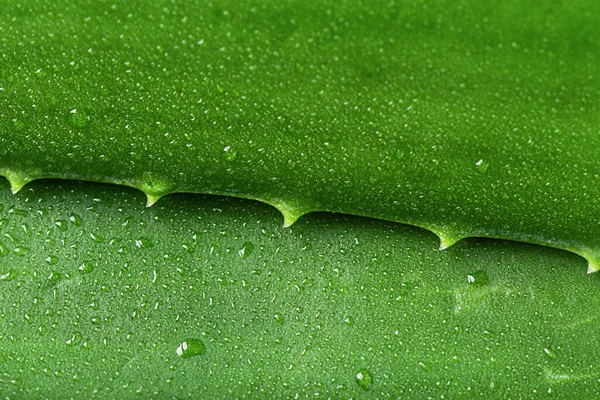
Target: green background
<point>467,118</point>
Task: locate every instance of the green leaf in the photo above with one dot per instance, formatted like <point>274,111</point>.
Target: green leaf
<point>209,297</point>
<point>466,118</point>
<point>463,117</point>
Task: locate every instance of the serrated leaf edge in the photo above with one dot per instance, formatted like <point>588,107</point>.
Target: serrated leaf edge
<point>290,211</point>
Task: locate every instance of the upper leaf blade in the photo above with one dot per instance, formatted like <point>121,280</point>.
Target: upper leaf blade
<point>468,119</point>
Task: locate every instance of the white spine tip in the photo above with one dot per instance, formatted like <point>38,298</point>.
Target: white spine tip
<point>444,244</point>
<point>151,199</point>
<point>290,214</point>
<point>287,221</point>
<point>593,264</point>
<point>16,186</point>
<point>446,241</point>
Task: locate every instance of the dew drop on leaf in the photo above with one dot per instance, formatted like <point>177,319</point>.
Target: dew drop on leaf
<point>278,318</point>
<point>549,353</point>
<point>74,339</point>
<point>26,229</point>
<point>143,243</point>
<point>60,224</point>
<point>54,276</point>
<point>307,247</point>
<point>478,278</point>
<point>8,275</point>
<point>51,260</point>
<point>246,250</point>
<point>191,348</point>
<point>85,268</point>
<point>21,250</point>
<point>364,379</point>
<point>94,304</point>
<point>79,119</point>
<point>76,220</point>
<point>482,166</point>
<point>230,155</point>
<point>97,238</point>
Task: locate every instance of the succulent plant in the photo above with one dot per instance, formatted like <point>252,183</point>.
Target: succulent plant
<point>476,121</point>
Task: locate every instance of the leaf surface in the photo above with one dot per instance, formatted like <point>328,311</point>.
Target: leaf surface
<point>210,297</point>
<point>465,118</point>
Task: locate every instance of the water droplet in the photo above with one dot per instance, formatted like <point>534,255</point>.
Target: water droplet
<point>85,268</point>
<point>76,220</point>
<point>246,250</point>
<point>18,124</point>
<point>39,73</point>
<point>278,318</point>
<point>79,118</point>
<point>143,243</point>
<point>482,166</point>
<point>8,275</point>
<point>51,260</point>
<point>549,353</point>
<point>364,379</point>
<point>191,348</point>
<point>188,247</point>
<point>74,339</point>
<point>230,155</point>
<point>478,278</point>
<point>54,277</point>
<point>21,250</point>
<point>94,304</point>
<point>61,224</point>
<point>97,238</point>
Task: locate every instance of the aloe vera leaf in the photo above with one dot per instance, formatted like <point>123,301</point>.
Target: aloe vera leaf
<point>98,296</point>
<point>463,117</point>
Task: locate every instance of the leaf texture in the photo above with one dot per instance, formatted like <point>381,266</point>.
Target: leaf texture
<point>467,118</point>
<point>208,297</point>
